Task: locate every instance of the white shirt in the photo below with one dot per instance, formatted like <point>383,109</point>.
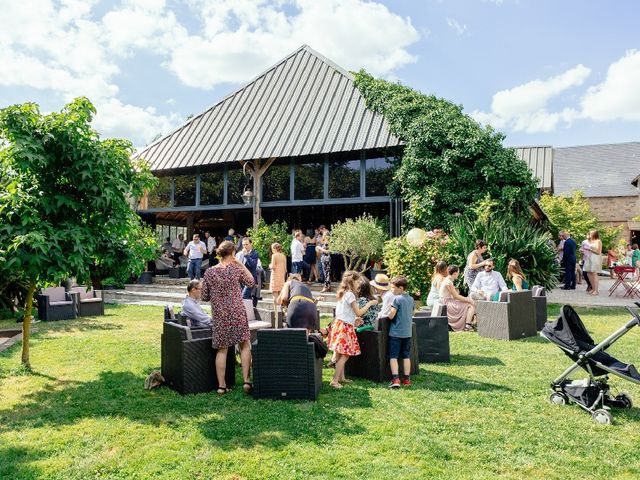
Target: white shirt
<point>196,249</point>
<point>344,311</point>
<point>211,245</point>
<point>178,245</point>
<point>297,250</point>
<point>387,303</point>
<point>489,283</point>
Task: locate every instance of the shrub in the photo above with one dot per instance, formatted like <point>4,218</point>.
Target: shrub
<point>264,235</point>
<point>359,241</point>
<point>415,262</point>
<point>508,237</point>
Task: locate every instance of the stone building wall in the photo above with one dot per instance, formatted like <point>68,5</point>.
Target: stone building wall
<point>614,211</point>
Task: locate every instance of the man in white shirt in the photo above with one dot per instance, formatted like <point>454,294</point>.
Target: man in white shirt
<point>195,250</point>
<point>297,253</point>
<point>177,247</point>
<point>488,283</point>
<point>211,244</point>
<point>191,306</point>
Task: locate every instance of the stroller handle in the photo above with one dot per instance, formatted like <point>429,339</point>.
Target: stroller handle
<point>634,313</point>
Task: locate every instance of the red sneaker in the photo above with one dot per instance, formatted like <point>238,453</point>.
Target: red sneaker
<point>406,382</point>
<point>395,383</point>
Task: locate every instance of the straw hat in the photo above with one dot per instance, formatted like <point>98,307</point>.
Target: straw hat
<point>381,282</point>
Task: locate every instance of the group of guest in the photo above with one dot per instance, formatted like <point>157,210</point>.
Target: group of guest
<point>483,282</point>
<point>591,263</point>
<point>311,257</point>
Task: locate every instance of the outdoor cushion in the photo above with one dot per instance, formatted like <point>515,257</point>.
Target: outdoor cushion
<point>92,299</point>
<point>55,294</point>
<point>504,296</point>
<point>53,304</point>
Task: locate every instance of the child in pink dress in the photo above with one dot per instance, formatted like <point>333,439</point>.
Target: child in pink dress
<point>342,338</point>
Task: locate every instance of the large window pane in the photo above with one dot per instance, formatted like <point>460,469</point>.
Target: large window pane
<point>309,181</point>
<point>212,188</point>
<point>379,175</point>
<point>237,182</point>
<point>160,197</point>
<point>275,183</point>
<point>344,179</point>
<point>185,191</point>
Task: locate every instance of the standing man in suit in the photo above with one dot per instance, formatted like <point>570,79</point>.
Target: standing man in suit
<point>569,262</point>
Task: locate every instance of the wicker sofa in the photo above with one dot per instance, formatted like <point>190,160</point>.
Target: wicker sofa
<point>540,301</point>
<point>511,318</point>
<point>89,303</point>
<point>285,365</point>
<point>188,359</point>
<point>373,363</point>
<point>56,304</point>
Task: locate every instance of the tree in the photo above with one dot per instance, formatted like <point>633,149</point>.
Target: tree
<point>358,241</point>
<point>66,197</point>
<point>263,236</point>
<point>449,162</point>
<point>573,214</point>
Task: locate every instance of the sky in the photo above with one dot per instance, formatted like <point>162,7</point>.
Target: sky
<point>543,72</point>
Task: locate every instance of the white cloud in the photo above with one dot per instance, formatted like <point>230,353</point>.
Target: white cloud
<point>524,108</point>
<point>618,96</point>
<point>459,28</point>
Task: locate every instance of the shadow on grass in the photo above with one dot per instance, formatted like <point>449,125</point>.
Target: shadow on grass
<point>15,461</point>
<point>475,360</point>
<point>443,382</point>
<point>536,339</point>
<point>234,420</point>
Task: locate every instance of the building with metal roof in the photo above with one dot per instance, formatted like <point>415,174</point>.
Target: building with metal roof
<point>298,137</point>
<point>540,161</point>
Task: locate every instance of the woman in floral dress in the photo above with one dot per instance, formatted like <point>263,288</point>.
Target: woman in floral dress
<point>222,285</point>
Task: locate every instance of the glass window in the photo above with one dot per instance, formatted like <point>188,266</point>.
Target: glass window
<point>275,183</point>
<point>212,188</point>
<point>160,197</point>
<point>185,191</point>
<point>344,179</point>
<point>237,182</point>
<point>309,181</point>
<point>379,175</point>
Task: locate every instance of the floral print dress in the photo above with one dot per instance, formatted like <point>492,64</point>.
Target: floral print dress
<point>223,286</point>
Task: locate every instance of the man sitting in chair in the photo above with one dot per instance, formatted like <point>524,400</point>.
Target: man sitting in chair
<point>488,283</point>
<point>191,306</point>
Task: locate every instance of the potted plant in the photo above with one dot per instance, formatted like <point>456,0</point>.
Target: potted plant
<point>359,241</point>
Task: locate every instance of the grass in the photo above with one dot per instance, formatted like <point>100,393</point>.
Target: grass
<point>83,413</point>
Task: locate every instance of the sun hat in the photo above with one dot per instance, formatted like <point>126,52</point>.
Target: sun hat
<point>381,282</point>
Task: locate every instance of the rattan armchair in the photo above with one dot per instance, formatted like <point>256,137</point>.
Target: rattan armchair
<point>285,365</point>
<point>511,318</point>
<point>373,362</point>
<point>540,302</point>
<point>433,338</point>
<point>56,304</point>
<point>188,359</point>
<point>89,303</point>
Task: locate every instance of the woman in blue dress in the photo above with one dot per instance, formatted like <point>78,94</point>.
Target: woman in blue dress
<point>514,273</point>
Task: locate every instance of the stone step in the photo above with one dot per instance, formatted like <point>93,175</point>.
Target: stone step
<point>156,297</point>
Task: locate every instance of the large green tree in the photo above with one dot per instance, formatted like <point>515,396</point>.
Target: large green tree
<point>66,198</point>
<point>450,162</point>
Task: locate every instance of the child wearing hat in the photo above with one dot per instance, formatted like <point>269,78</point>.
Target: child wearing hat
<point>383,287</point>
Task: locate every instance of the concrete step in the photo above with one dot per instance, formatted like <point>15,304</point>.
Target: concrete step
<point>160,297</point>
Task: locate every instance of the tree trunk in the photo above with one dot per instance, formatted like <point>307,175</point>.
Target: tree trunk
<point>26,325</point>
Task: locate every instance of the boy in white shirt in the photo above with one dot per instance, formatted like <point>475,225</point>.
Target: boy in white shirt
<point>383,287</point>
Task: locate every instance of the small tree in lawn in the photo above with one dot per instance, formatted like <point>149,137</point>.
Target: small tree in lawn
<point>65,190</point>
<point>358,241</point>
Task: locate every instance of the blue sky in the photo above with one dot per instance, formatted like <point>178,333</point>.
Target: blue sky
<point>543,72</point>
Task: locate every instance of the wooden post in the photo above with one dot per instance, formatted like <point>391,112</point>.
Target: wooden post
<point>257,171</point>
<point>190,219</point>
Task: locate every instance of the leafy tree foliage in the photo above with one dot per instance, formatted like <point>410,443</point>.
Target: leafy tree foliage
<point>573,214</point>
<point>67,198</point>
<point>450,162</point>
<point>358,240</point>
<point>263,236</point>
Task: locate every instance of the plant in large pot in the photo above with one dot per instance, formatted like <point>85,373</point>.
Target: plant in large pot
<point>359,241</point>
<point>264,235</point>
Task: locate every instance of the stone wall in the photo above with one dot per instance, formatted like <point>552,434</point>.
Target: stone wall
<point>614,211</point>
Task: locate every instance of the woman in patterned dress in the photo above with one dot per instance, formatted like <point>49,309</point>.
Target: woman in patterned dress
<point>222,285</point>
<point>475,262</point>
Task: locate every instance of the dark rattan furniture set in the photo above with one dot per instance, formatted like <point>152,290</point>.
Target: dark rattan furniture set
<point>57,304</point>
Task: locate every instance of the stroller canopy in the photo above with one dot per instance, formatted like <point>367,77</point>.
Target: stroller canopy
<point>570,334</point>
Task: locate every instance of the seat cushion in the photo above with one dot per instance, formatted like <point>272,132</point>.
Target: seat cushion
<point>54,304</point>
<point>55,294</point>
<point>90,300</point>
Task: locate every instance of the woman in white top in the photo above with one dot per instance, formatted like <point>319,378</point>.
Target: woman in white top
<point>342,337</point>
<point>460,310</point>
<point>438,276</point>
<point>593,264</point>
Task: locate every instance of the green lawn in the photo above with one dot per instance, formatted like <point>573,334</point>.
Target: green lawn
<point>83,413</point>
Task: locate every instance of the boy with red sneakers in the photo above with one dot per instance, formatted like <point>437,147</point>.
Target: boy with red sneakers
<point>401,315</point>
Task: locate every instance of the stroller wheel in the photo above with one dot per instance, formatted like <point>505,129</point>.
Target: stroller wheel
<point>625,399</point>
<point>602,416</point>
<point>558,398</point>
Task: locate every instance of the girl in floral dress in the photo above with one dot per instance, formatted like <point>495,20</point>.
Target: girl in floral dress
<point>222,285</point>
<point>342,339</point>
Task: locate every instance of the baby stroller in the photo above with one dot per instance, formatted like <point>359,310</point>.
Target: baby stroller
<point>592,394</point>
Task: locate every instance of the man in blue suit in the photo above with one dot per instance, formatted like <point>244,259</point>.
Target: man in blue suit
<point>249,258</point>
<point>569,261</point>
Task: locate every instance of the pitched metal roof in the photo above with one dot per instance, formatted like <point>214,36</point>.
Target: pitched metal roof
<point>303,105</point>
<point>597,170</point>
<point>540,161</point>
